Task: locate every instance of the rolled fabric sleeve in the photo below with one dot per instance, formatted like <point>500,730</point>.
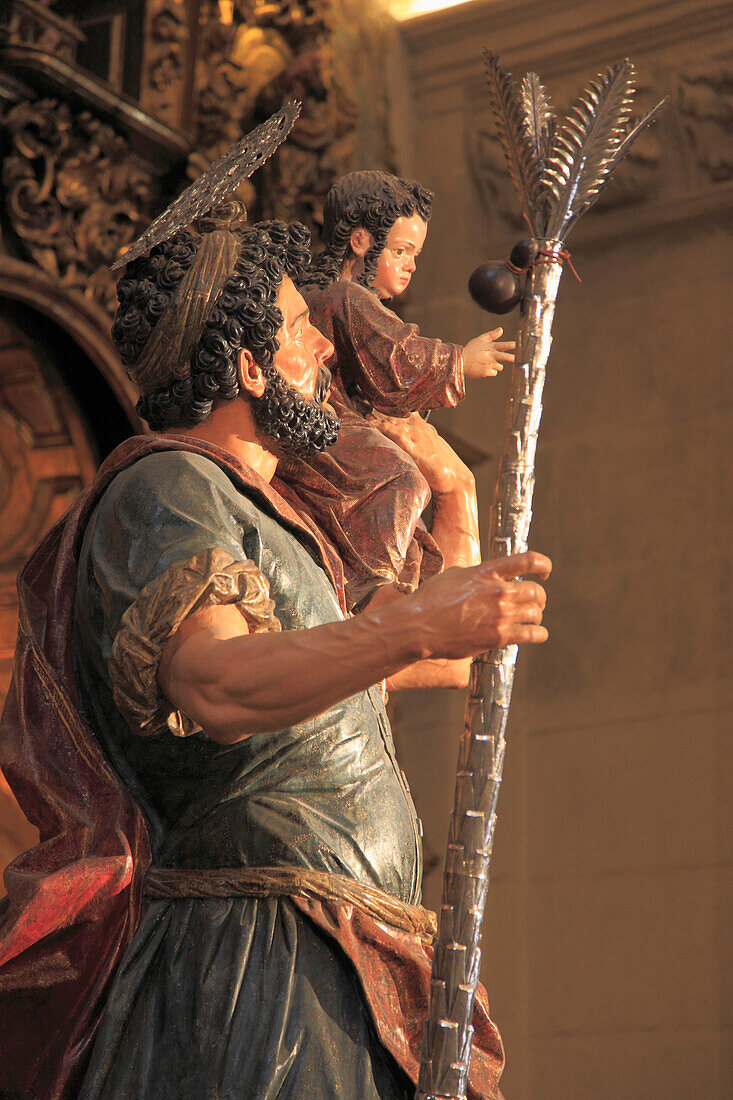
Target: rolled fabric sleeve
<point>167,541</point>
<point>209,578</point>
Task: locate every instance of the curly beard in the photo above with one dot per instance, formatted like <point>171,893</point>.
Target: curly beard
<point>299,426</point>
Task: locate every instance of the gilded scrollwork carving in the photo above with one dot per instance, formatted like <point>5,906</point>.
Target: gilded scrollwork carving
<point>705,105</point>
<point>164,60</point>
<point>31,23</point>
<point>74,193</point>
<point>253,57</point>
<point>322,142</point>
<point>235,61</point>
<point>300,19</point>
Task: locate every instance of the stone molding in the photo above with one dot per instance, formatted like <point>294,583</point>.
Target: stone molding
<point>681,169</point>
<point>444,48</point>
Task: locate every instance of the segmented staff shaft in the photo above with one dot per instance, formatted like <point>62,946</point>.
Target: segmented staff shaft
<point>448,1032</point>
<point>558,171</point>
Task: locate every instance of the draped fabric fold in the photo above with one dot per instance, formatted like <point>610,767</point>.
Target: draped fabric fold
<point>75,900</point>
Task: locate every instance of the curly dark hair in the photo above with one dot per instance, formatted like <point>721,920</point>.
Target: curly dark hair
<point>369,200</point>
<point>245,315</point>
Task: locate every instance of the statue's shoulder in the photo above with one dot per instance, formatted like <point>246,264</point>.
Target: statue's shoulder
<point>164,481</point>
<point>164,467</point>
<point>355,293</point>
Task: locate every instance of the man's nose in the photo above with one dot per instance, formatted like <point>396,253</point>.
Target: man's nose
<point>411,263</point>
<point>325,348</point>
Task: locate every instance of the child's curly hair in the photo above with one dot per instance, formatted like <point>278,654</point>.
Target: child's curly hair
<point>369,200</point>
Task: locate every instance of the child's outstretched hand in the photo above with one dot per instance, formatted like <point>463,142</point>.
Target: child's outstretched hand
<point>485,355</point>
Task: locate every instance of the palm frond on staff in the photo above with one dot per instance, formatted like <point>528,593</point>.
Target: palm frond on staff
<point>581,156</point>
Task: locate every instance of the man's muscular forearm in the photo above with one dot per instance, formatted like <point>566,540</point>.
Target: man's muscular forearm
<point>235,684</point>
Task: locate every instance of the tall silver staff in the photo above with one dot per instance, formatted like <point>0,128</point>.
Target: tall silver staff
<point>558,172</point>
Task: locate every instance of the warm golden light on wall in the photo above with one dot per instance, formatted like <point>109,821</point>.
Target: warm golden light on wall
<point>408,9</point>
<point>400,9</point>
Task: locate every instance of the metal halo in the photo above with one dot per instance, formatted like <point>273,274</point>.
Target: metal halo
<point>218,181</point>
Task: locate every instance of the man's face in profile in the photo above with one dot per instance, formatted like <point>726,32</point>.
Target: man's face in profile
<point>293,410</point>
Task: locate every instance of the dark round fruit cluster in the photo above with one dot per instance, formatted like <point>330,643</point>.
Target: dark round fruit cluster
<point>497,286</point>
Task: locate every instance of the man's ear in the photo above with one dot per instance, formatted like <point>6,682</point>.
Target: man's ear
<point>360,241</point>
<point>249,375</point>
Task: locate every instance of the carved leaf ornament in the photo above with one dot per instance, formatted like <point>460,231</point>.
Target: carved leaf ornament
<point>74,194</point>
<point>539,117</point>
<point>512,122</point>
<point>558,171</point>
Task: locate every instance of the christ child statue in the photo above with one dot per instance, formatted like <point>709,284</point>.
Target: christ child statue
<point>366,493</point>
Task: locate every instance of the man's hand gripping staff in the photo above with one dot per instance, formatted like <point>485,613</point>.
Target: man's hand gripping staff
<point>463,612</point>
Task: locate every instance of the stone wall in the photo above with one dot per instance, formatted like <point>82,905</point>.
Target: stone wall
<point>604,948</point>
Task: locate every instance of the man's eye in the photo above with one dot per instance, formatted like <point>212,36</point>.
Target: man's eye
<point>398,251</point>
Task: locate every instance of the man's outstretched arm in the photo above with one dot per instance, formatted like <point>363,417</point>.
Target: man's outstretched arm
<point>234,684</point>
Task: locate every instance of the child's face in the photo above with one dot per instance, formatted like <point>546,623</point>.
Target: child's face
<point>397,260</point>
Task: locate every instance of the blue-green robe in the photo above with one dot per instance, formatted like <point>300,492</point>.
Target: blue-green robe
<point>218,999</point>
